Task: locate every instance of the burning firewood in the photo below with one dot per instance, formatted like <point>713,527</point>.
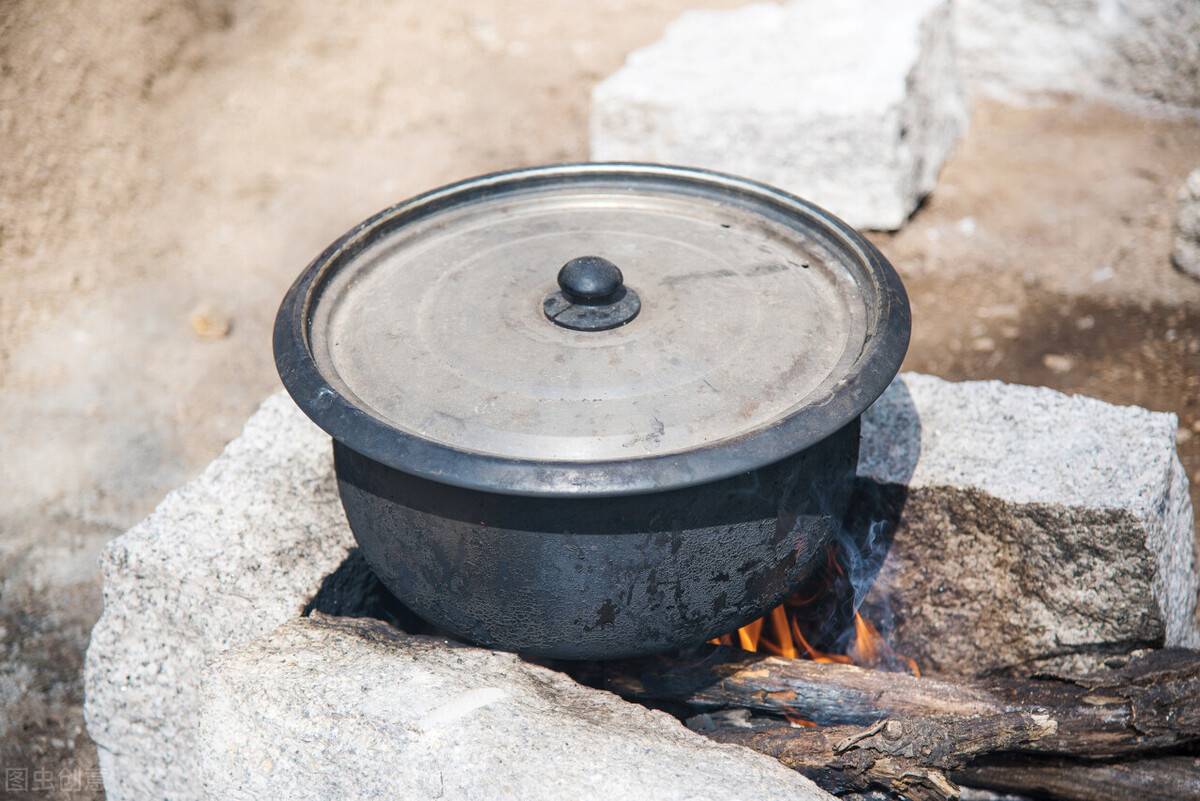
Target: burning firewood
<point>918,737</point>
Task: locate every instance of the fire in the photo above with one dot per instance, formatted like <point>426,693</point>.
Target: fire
<point>780,634</point>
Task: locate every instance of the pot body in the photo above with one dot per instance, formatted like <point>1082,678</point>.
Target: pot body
<point>599,578</point>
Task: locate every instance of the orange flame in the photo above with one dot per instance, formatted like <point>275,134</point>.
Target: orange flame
<point>867,643</point>
<point>750,634</point>
<point>779,634</point>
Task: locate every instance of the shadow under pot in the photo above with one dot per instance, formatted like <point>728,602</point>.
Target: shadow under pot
<point>594,411</point>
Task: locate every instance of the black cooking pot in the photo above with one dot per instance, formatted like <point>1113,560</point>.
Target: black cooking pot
<point>594,410</point>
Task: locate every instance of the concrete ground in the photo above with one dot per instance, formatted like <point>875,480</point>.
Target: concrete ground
<point>171,165</point>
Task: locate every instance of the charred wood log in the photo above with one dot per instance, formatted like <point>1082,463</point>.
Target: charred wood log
<point>911,736</point>
<point>1149,704</point>
<point>915,760</point>
<point>1170,778</point>
<point>840,759</point>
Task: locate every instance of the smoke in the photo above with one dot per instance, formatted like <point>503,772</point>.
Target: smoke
<point>844,607</point>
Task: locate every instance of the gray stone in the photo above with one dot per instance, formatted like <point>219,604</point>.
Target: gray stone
<point>221,561</point>
<point>853,106</point>
<point>244,548</point>
<point>1032,524</point>
<point>1034,528</point>
<point>333,708</point>
<point>1142,54</point>
<point>1186,253</point>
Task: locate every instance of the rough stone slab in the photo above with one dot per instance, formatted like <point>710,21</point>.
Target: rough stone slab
<point>328,708</point>
<point>1034,528</point>
<point>226,558</point>
<point>853,105</point>
<point>1186,253</point>
<point>1008,490</point>
<point>1143,54</point>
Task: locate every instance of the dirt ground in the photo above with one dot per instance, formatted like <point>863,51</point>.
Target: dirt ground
<point>169,167</point>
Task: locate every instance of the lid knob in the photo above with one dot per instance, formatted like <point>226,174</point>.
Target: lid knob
<point>590,280</point>
<point>592,296</point>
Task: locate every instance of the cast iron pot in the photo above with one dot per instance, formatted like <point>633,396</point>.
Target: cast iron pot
<point>592,545</point>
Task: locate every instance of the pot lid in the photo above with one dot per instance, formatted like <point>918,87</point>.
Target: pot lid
<point>592,329</point>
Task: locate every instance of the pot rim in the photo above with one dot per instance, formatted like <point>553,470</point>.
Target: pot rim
<point>348,423</point>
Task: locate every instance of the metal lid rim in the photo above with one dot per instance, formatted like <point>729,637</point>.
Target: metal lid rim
<point>351,425</point>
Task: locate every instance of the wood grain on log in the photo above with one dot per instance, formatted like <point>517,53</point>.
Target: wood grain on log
<point>1151,703</point>
<point>1172,778</point>
<point>909,735</point>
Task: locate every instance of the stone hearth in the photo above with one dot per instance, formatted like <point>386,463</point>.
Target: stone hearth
<point>206,680</point>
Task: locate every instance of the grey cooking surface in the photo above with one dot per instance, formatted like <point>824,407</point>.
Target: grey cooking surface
<point>438,327</point>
